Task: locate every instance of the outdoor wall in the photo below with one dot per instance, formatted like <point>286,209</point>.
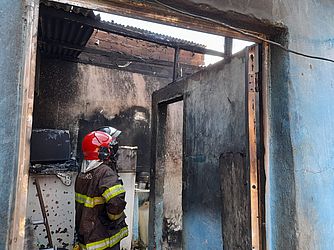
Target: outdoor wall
<point>300,143</point>
<point>81,98</point>
<point>300,118</point>
<point>11,94</point>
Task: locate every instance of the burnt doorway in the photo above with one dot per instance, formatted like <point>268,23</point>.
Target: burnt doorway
<point>163,16</point>
<point>220,191</point>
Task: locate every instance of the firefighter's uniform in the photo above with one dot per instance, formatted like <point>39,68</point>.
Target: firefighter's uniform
<point>100,203</point>
<point>100,220</point>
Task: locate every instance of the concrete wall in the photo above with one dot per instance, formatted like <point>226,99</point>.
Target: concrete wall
<point>300,141</point>
<point>172,196</point>
<point>215,201</point>
<point>299,153</point>
<point>214,125</point>
<point>11,75</point>
<point>80,98</point>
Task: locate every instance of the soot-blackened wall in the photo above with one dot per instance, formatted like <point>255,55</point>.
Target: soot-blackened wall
<point>81,98</point>
<point>215,116</point>
<point>215,176</point>
<point>299,117</point>
<point>172,186</point>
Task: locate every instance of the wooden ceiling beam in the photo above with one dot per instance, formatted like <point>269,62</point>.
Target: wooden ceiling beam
<point>150,11</point>
<point>149,70</point>
<point>112,55</point>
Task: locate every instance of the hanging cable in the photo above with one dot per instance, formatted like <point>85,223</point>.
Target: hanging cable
<point>243,32</point>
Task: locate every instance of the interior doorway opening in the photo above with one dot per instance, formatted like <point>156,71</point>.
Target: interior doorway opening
<point>173,162</point>
<point>78,63</point>
<point>220,162</point>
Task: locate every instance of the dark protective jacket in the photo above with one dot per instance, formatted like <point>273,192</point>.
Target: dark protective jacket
<point>99,203</point>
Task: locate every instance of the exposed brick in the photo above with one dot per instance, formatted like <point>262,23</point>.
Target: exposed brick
<point>109,41</point>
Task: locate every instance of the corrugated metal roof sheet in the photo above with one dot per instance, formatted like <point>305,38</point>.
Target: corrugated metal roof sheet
<point>153,34</point>
<point>56,30</point>
<point>69,8</point>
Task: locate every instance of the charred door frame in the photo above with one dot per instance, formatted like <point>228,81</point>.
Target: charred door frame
<point>160,100</point>
<point>256,72</point>
<point>130,8</point>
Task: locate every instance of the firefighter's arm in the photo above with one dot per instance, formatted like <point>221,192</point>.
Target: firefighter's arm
<point>113,192</point>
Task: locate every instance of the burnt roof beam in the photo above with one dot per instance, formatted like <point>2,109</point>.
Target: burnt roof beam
<point>113,55</point>
<point>124,31</point>
<point>150,70</point>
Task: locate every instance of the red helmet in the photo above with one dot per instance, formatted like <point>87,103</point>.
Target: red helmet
<point>97,146</point>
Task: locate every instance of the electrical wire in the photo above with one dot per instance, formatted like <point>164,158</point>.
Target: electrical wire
<point>124,65</point>
<point>240,31</point>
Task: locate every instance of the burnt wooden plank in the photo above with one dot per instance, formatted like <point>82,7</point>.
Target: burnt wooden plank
<point>156,13</point>
<point>172,92</point>
<point>215,111</point>
<point>140,70</point>
<point>235,204</point>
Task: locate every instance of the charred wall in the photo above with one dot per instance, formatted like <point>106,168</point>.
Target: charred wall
<point>214,126</point>
<point>215,176</point>
<point>172,198</point>
<point>305,116</point>
<point>81,98</point>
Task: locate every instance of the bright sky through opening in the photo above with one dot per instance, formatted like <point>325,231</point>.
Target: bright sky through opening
<point>213,42</point>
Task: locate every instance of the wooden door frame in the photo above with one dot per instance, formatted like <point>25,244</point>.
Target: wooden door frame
<point>255,99</point>
<point>254,128</point>
<point>18,217</point>
<point>171,93</point>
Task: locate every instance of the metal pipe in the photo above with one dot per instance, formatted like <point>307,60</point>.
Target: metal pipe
<point>45,217</point>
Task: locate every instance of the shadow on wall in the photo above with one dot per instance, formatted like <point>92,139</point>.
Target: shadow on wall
<point>134,123</point>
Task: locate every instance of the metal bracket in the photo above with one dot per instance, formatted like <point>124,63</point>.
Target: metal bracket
<point>66,179</point>
<point>253,82</point>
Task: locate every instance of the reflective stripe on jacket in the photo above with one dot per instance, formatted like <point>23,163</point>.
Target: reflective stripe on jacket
<point>108,242</point>
<point>100,202</point>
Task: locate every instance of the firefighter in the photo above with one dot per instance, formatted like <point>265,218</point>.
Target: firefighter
<point>99,195</point>
<point>114,133</point>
